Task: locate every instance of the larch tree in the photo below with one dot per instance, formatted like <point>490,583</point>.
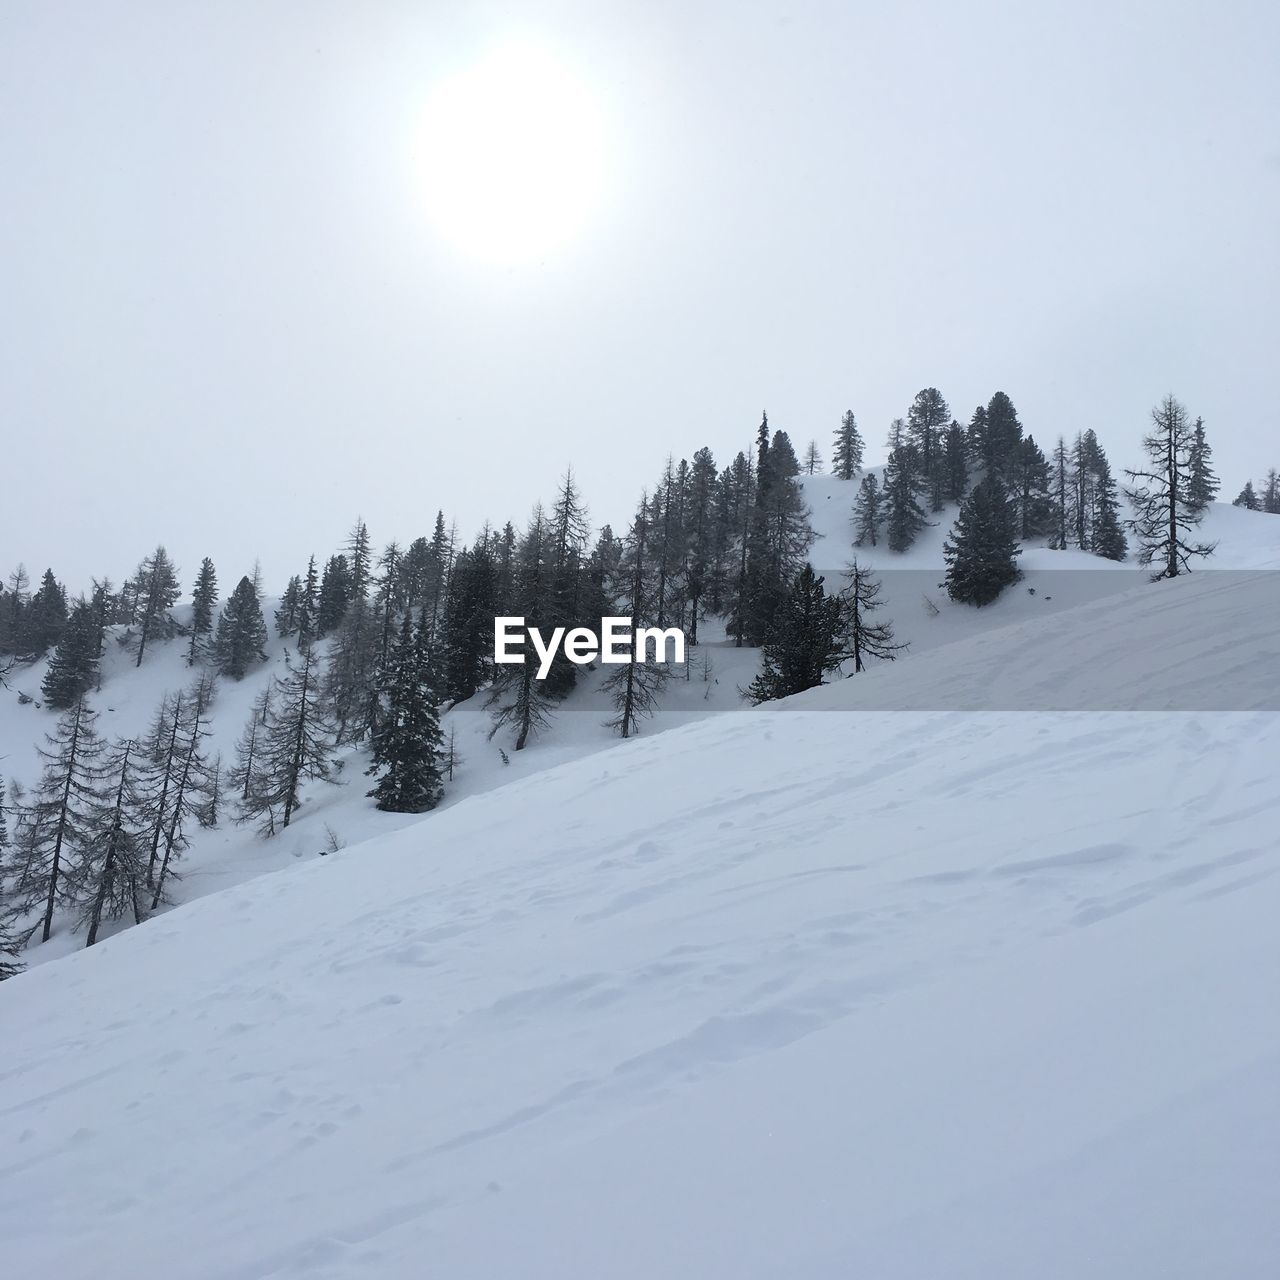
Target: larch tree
<point>862,636</point>
<point>1163,520</point>
<point>812,459</point>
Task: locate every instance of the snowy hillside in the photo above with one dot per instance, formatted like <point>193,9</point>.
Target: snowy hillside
<point>804,991</point>
<point>342,814</point>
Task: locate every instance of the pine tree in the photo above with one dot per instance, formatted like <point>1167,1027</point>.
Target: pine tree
<point>241,641</point>
<point>904,517</point>
<point>249,751</point>
<point>1202,483</point>
<point>1061,495</point>
<point>408,744</point>
<point>10,959</point>
<point>846,458</point>
<point>467,640</point>
<point>109,871</point>
<point>156,591</point>
<point>1271,493</point>
<point>46,616</point>
<point>1247,498</point>
<point>927,421</point>
<point>286,616</point>
<point>812,459</point>
<point>73,669</point>
<point>560,584</point>
<point>866,512</point>
<point>1107,536</point>
<point>1036,511</point>
<point>13,615</point>
<point>633,686</point>
<point>306,625</point>
<point>520,700</point>
<point>700,535</point>
<point>805,642</point>
<point>1162,520</point>
<point>982,551</point>
<point>299,742</point>
<point>204,599</point>
<point>955,464</point>
<point>335,594</point>
<point>57,823</point>
<point>861,638</point>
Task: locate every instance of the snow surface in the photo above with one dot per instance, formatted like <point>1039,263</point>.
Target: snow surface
<point>812,990</point>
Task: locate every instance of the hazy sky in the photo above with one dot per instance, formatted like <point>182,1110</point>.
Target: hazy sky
<point>228,323</point>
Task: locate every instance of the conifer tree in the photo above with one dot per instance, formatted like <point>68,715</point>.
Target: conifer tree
<point>812,459</point>
<point>73,669</point>
<point>804,644</point>
<point>335,594</point>
<point>700,536</point>
<point>927,421</point>
<point>10,959</point>
<point>187,775</point>
<point>408,744</point>
<point>204,599</point>
<point>863,638</point>
<point>156,591</point>
<point>306,621</point>
<point>520,700</point>
<point>1271,493</point>
<point>46,616</point>
<point>1162,519</point>
<point>633,686</point>
<point>866,512</point>
<point>241,640</point>
<point>57,823</point>
<point>955,464</point>
<point>1247,498</point>
<point>738,486</point>
<point>13,615</point>
<point>1107,537</point>
<point>1202,481</point>
<point>110,867</point>
<point>299,743</point>
<point>1036,512</point>
<point>982,551</point>
<point>904,517</point>
<point>1061,494</point>
<point>467,641</point>
<point>560,586</point>
<point>286,616</point>
<point>249,751</point>
<point>846,458</point>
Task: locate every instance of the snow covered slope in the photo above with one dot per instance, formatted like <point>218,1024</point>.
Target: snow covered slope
<point>807,991</point>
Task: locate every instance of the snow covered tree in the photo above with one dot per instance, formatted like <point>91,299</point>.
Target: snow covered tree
<point>1106,536</point>
<point>1061,493</point>
<point>186,776</point>
<point>10,959</point>
<point>286,616</point>
<point>156,591</point>
<point>204,599</point>
<point>241,640</point>
<point>408,744</point>
<point>805,642</point>
<point>700,536</point>
<point>904,517</point>
<point>58,821</point>
<point>1162,519</point>
<point>1202,481</point>
<point>866,512</point>
<point>846,458</point>
<point>1036,511</point>
<point>73,669</point>
<point>467,640</point>
<point>982,551</point>
<point>862,638</point>
<point>249,751</point>
<point>812,459</point>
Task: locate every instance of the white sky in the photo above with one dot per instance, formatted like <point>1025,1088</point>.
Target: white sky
<point>227,324</point>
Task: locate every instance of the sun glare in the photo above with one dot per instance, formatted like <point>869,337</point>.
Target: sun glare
<point>512,156</point>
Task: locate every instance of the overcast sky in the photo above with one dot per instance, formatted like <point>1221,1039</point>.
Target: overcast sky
<point>228,324</point>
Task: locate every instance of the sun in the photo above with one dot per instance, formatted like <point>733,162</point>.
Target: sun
<point>512,152</point>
